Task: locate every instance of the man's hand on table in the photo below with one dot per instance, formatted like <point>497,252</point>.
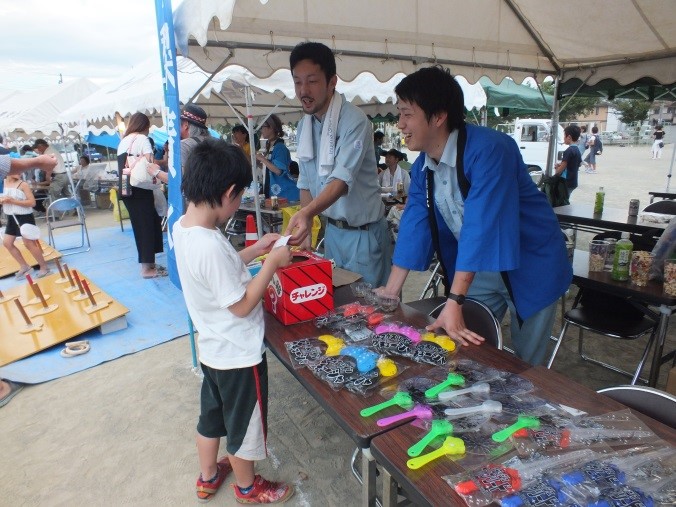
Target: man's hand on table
<point>450,320</point>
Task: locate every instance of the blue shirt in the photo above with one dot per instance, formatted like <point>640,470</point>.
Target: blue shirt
<point>353,164</point>
<point>282,185</point>
<point>508,225</point>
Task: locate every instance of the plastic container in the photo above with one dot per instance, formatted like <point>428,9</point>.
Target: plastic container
<point>670,277</point>
<point>598,250</point>
<point>622,258</point>
<point>611,254</point>
<point>641,263</point>
<point>598,202</point>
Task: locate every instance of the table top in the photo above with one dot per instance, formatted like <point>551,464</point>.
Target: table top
<point>612,219</point>
<point>668,195</point>
<point>425,486</point>
<point>344,406</point>
<point>250,207</point>
<point>602,280</point>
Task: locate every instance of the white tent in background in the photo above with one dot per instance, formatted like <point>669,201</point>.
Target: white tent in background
<point>38,110</point>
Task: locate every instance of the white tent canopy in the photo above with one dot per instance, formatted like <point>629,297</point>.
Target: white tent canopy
<point>38,110</point>
<point>619,39</point>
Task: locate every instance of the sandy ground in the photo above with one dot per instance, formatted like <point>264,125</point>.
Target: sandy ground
<point>122,433</point>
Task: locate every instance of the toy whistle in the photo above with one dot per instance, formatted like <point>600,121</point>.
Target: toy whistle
<point>453,379</point>
<point>480,388</point>
<point>523,421</point>
<point>419,411</point>
<point>488,406</point>
<point>451,446</point>
<point>439,428</point>
<point>401,399</point>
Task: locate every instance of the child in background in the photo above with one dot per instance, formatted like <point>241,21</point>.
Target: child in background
<point>224,302</point>
<point>17,203</point>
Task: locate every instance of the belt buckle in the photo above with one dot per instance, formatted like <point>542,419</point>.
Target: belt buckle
<point>340,224</point>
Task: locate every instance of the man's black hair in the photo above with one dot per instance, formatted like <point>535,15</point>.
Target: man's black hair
<point>378,135</point>
<point>318,53</point>
<point>434,90</point>
<point>212,167</point>
<point>573,131</point>
<point>86,158</point>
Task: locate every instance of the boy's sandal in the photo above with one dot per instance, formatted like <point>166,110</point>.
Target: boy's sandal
<point>75,349</point>
<point>205,489</point>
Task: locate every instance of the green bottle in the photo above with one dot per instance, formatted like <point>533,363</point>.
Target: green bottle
<point>598,203</point>
<point>622,257</point>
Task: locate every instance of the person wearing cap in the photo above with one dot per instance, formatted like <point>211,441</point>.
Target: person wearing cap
<point>394,174</point>
<point>58,187</point>
<point>337,170</point>
<point>193,129</point>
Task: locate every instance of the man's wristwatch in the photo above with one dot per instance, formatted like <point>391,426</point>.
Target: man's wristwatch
<point>458,298</point>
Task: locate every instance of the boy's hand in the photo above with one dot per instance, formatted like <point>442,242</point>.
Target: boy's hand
<point>280,257</point>
<point>264,244</point>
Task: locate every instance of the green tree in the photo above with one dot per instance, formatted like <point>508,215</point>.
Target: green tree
<point>632,110</point>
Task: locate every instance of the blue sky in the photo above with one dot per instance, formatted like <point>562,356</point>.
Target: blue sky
<point>42,39</point>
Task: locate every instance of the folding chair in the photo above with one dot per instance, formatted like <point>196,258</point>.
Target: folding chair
<point>55,214</point>
<point>652,402</point>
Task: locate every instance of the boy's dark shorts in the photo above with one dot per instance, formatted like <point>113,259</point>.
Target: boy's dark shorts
<point>13,229</point>
<point>234,403</point>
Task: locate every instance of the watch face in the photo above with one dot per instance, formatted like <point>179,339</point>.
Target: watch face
<point>458,298</point>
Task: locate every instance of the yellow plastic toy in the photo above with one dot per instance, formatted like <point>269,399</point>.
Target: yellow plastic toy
<point>387,367</point>
<point>444,341</point>
<point>333,344</point>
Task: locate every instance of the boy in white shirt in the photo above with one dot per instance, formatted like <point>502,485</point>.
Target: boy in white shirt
<point>224,303</point>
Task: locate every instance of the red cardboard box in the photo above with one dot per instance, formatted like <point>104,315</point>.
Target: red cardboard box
<point>302,290</point>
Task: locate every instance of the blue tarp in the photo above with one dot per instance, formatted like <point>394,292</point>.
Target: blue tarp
<point>108,140</point>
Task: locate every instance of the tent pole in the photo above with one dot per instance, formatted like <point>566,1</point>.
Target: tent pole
<point>553,134</point>
<point>252,149</point>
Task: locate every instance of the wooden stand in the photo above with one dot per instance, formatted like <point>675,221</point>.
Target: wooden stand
<point>8,266</point>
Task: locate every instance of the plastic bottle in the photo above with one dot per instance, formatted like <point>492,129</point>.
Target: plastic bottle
<point>623,250</point>
<point>598,203</point>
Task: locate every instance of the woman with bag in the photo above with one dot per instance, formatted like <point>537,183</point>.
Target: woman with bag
<point>276,160</point>
<point>18,201</point>
<point>136,185</point>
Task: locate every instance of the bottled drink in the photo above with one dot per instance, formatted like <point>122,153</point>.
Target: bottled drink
<point>125,189</point>
<point>598,203</point>
<point>621,259</point>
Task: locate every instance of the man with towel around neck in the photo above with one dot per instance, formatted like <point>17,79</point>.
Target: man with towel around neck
<point>338,175</point>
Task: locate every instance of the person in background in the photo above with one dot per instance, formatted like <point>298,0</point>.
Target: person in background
<point>590,159</point>
<point>59,185</point>
<point>394,174</point>
<point>3,148</point>
<point>496,235</point>
<point>17,203</point>
<point>86,185</point>
<point>582,141</point>
<point>224,302</point>
<point>337,170</point>
<point>378,139</point>
<point>145,222</point>
<point>658,143</point>
<point>570,163</point>
<point>193,130</point>
<point>240,136</point>
<point>276,161</point>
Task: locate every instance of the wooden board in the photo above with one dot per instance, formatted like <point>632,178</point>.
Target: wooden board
<point>8,266</point>
<point>67,321</point>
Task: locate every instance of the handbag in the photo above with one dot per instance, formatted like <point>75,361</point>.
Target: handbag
<point>28,231</point>
<point>138,171</point>
<point>661,145</point>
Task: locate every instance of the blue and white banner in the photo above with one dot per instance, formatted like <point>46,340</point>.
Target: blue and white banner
<point>171,117</point>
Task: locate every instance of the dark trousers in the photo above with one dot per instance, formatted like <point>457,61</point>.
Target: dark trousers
<point>146,223</point>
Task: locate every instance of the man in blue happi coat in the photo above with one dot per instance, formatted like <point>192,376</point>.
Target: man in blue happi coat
<point>497,236</point>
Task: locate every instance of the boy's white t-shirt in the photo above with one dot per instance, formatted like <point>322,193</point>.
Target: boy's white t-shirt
<point>213,277</point>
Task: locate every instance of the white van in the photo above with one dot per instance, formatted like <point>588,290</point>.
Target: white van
<point>532,136</point>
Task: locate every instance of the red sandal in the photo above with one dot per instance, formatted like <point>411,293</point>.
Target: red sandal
<point>206,489</point>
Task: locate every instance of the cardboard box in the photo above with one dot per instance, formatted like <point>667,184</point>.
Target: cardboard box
<point>671,381</point>
<point>302,290</point>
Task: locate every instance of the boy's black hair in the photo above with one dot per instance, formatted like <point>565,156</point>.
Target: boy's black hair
<point>595,130</point>
<point>212,167</point>
<point>434,90</point>
<point>318,53</point>
<point>573,131</point>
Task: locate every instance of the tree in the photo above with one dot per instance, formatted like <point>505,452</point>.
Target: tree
<point>632,110</point>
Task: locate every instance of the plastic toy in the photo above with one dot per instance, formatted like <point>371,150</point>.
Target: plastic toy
<point>419,411</point>
<point>444,341</point>
<point>600,473</point>
<point>540,493</point>
<point>440,428</point>
<point>488,406</point>
<point>333,344</point>
<point>366,359</point>
<point>623,496</point>
<point>523,421</point>
<point>491,478</point>
<point>387,367</point>
<point>451,446</point>
<point>479,388</point>
<point>430,353</point>
<point>400,398</point>
<point>453,379</point>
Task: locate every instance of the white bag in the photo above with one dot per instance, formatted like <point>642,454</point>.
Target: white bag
<point>138,170</point>
<point>28,231</point>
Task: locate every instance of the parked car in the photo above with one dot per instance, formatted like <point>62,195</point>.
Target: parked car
<point>94,156</point>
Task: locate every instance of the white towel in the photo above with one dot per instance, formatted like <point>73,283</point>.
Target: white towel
<point>327,143</point>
